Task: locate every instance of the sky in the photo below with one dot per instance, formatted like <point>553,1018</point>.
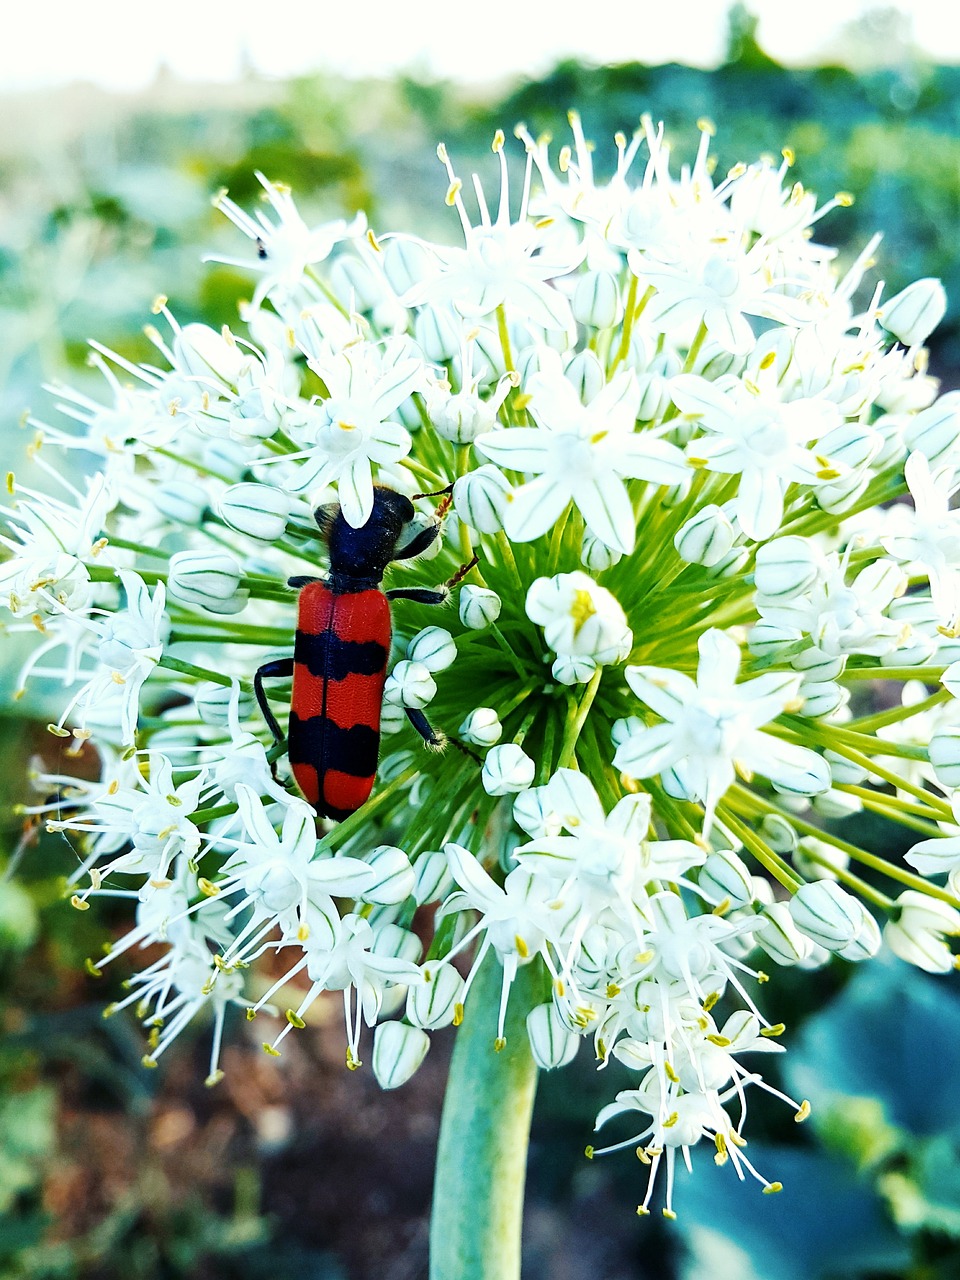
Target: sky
<point>120,44</point>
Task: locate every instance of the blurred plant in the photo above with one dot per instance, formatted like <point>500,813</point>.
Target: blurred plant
<point>665,432</point>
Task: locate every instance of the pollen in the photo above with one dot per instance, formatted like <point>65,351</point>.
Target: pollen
<point>581,610</point>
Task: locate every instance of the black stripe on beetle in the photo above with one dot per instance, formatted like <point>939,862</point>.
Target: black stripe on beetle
<point>327,655</point>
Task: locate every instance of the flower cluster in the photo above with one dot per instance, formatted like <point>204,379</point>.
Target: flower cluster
<point>668,429</point>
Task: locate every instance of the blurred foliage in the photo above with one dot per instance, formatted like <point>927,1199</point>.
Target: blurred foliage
<point>116,210</point>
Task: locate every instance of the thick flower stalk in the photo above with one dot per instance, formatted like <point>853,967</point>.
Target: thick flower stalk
<point>659,432</point>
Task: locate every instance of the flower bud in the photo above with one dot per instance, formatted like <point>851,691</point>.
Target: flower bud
<point>394,876</point>
<point>787,566</point>
<point>596,300</point>
<point>573,668</point>
<point>827,914</point>
<point>437,334</point>
<point>835,805</point>
<point>480,498</point>
<point>202,352</point>
<point>586,374</point>
<point>551,1043</point>
<point>596,555</point>
<point>392,716</point>
<point>406,262</point>
<point>705,538</point>
<point>460,418</point>
<point>816,860</point>
<point>398,1051</point>
<point>213,704</point>
<point>507,769</point>
<point>479,606</point>
<point>432,1003</point>
<point>258,510</point>
<point>482,727</point>
<point>779,936</point>
<point>917,935</point>
<point>914,313</point>
<point>725,878</point>
<point>935,431</point>
<point>209,579</point>
<point>411,685</point>
<point>432,878</point>
<point>944,752</point>
<point>352,280</point>
<point>843,770</point>
<point>434,647</point>
<point>866,943</point>
<point>778,833</point>
<point>182,501</point>
<point>822,698</point>
<point>817,665</point>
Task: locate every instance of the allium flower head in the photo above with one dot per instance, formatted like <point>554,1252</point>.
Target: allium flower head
<point>641,438</point>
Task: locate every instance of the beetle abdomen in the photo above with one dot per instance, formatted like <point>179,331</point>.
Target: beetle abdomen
<point>340,667</point>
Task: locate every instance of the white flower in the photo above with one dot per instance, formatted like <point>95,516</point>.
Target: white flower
<point>581,453</point>
<point>931,537</point>
<point>712,727</point>
<point>917,933</point>
<point>285,248</point>
<point>579,617</point>
<point>915,312</point>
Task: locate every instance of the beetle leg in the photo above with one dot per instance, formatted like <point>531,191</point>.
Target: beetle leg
<point>271,670</point>
<point>419,595</point>
<point>431,738</point>
<point>301,580</point>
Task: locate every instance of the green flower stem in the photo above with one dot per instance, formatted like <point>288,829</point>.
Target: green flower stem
<point>200,673</point>
<point>760,849</point>
<point>126,545</point>
<point>896,810</point>
<point>506,551</point>
<point>484,1132</point>
<point>256,636</point>
<point>503,333</point>
<point>576,721</point>
<point>869,724</point>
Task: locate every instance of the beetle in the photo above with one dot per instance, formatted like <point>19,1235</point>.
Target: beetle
<point>339,663</point>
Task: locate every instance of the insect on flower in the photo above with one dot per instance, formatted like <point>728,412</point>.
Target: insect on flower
<point>339,663</point>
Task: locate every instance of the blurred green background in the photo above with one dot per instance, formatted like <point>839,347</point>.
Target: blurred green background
<point>107,1170</point>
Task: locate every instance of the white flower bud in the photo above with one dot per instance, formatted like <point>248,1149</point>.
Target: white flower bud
<point>627,727</point>
<point>867,942</point>
<point>202,352</point>
<point>936,430</point>
<point>816,860</point>
<point>779,936</point>
<point>398,1051</point>
<point>182,501</point>
<point>778,833</point>
<point>787,566</point>
<point>213,704</point>
<point>411,685</point>
<point>596,555</point>
<point>586,374</point>
<point>209,579</point>
<point>432,1003</point>
<point>819,666</point>
<point>706,537</point>
<point>482,727</point>
<point>573,668</point>
<point>507,769</point>
<point>915,312</point>
<point>551,1043</point>
<point>392,716</point>
<point>533,812</point>
<point>917,935</point>
<point>944,752</point>
<point>827,914</point>
<point>822,698</point>
<point>462,417</point>
<point>843,770</point>
<point>432,878</point>
<point>596,300</point>
<point>725,878</point>
<point>479,606</point>
<point>437,334</point>
<point>352,280</point>
<point>258,510</point>
<point>480,498</point>
<point>434,647</point>
<point>394,876</point>
<point>406,262</point>
<point>835,805</point>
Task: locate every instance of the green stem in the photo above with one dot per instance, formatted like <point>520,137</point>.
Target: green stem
<point>482,1156</point>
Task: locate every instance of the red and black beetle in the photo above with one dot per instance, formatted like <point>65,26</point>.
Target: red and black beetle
<point>339,663</point>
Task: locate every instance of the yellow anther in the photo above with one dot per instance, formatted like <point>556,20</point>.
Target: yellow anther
<point>499,1044</point>
<point>303,932</point>
<point>670,1073</point>
<point>251,1014</point>
<point>109,1011</point>
<point>588,1152</point>
<point>498,141</point>
<point>522,949</point>
<point>453,191</point>
<point>671,1119</point>
<point>720,1041</point>
<point>581,610</point>
<point>707,126</point>
<point>268,1048</point>
<point>564,158</point>
<point>762,977</point>
<point>643,1211</point>
<point>207,887</point>
<point>11,483</point>
<point>160,301</point>
<point>642,1155</point>
<point>213,1078</point>
<point>294,1019</point>
<point>148,1062</point>
<point>772,1188</point>
<point>92,969</point>
<point>776,1030</point>
<point>442,152</point>
<point>78,902</point>
<point>372,241</point>
<point>789,155</point>
<point>803,1113</point>
<point>844,199</point>
<point>722,908</point>
<point>669,1214</point>
<point>457,1014</point>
